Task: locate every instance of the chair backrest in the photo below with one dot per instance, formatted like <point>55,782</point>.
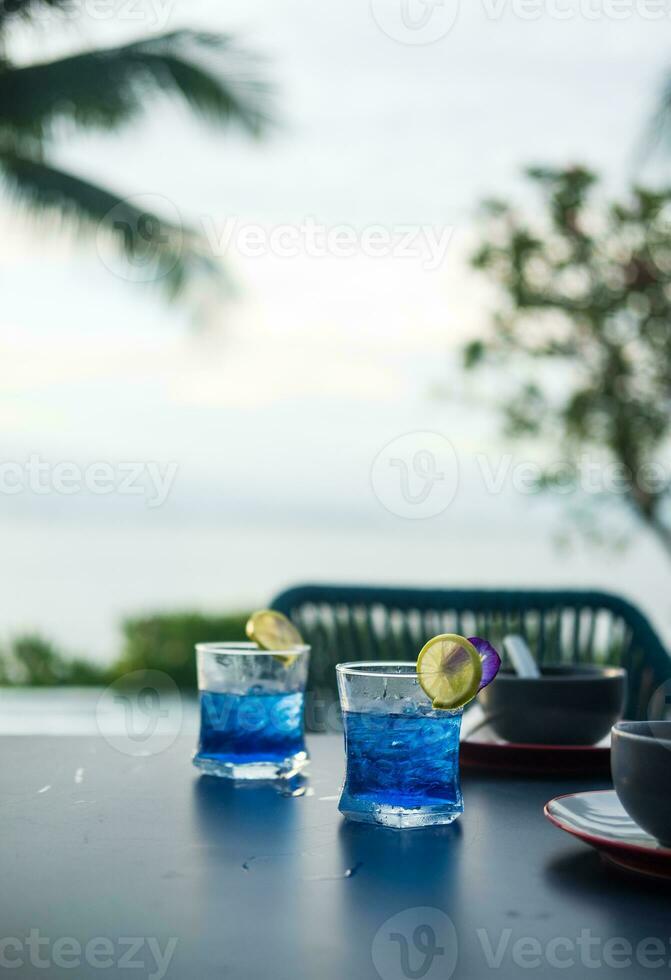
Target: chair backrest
<point>376,623</point>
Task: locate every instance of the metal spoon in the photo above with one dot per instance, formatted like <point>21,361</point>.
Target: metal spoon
<point>520,656</point>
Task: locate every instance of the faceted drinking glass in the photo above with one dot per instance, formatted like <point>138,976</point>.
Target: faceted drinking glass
<point>251,710</point>
<point>402,754</point>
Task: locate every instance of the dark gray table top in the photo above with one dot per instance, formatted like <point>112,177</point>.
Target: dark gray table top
<point>140,861</point>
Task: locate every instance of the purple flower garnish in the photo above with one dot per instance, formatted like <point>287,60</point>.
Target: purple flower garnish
<point>490,660</point>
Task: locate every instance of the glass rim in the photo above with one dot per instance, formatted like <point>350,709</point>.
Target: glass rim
<point>379,668</point>
<point>243,649</point>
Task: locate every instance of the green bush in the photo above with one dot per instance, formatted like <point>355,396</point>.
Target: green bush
<point>31,660</point>
<point>166,643</point>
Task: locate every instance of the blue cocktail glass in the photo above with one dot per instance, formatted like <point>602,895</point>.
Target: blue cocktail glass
<point>251,710</point>
<point>402,755</point>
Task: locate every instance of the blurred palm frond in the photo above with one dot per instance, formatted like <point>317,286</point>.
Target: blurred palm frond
<point>167,254</point>
<point>104,89</point>
<point>108,87</point>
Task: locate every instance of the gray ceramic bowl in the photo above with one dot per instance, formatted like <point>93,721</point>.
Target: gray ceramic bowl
<point>640,760</point>
<point>567,705</point>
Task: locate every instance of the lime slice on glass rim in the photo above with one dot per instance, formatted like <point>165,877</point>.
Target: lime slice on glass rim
<point>449,670</point>
<point>272,630</point>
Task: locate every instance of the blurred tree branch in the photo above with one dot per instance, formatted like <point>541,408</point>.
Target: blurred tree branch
<point>583,325</point>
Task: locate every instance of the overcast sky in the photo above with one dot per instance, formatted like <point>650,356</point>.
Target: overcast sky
<point>319,351</point>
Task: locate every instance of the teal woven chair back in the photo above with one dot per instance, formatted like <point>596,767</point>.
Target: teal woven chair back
<point>369,623</point>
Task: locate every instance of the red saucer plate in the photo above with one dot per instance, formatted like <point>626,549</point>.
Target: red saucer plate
<point>483,750</point>
<point>599,819</point>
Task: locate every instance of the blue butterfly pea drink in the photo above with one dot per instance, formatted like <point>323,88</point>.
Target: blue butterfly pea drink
<point>252,702</point>
<point>402,723</point>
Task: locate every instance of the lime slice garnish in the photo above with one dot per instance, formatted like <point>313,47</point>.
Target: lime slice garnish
<point>273,631</point>
<point>449,670</point>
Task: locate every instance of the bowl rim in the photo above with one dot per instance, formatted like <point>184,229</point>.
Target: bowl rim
<point>570,672</point>
<point>623,732</point>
